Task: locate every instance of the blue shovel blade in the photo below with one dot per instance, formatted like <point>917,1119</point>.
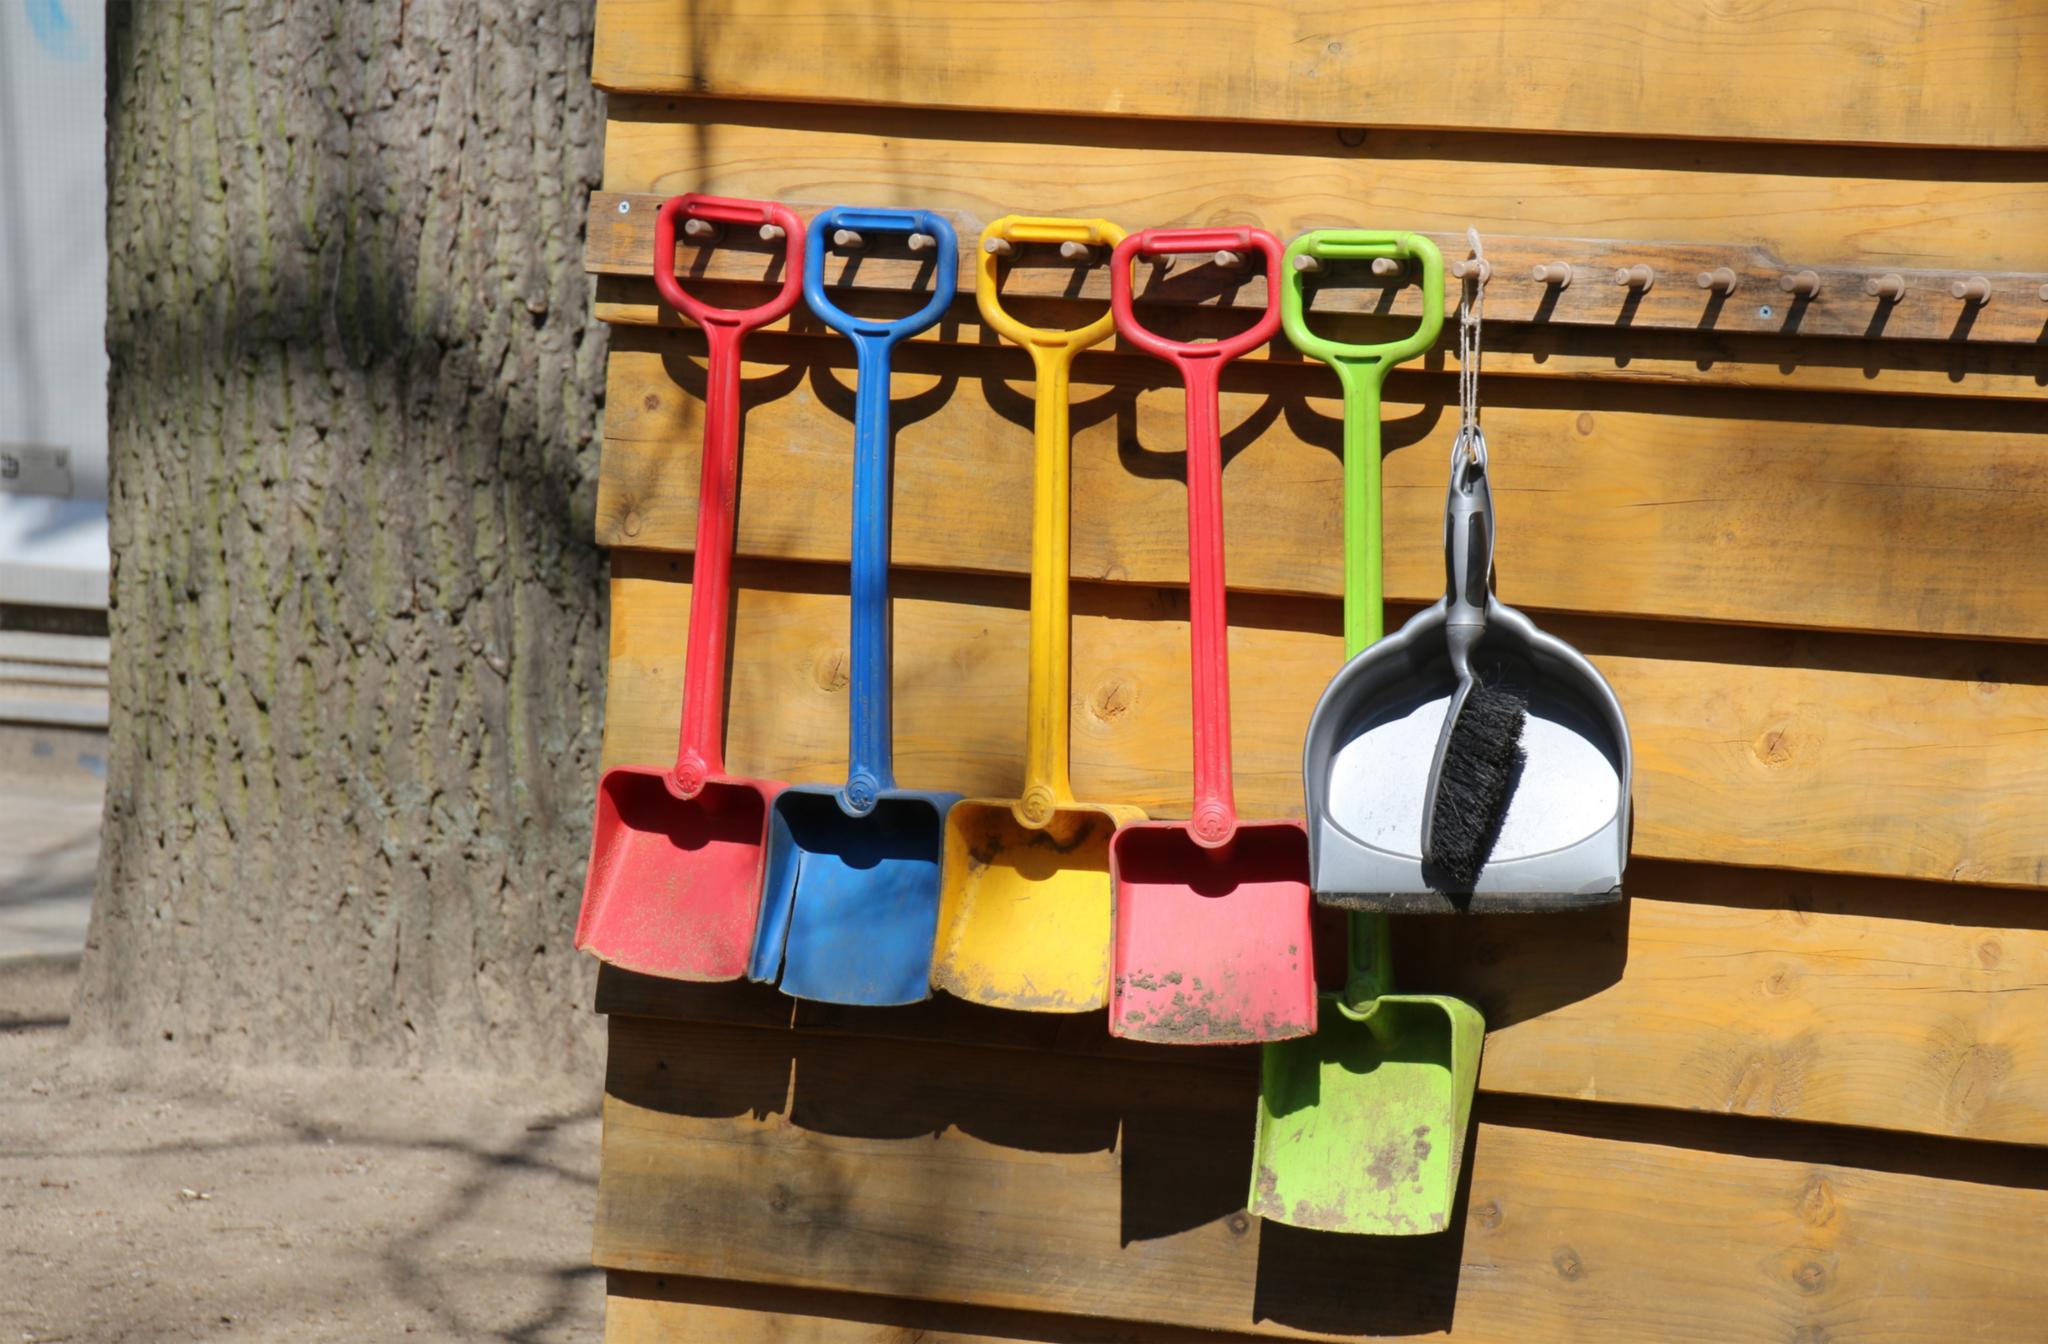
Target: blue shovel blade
<point>856,898</point>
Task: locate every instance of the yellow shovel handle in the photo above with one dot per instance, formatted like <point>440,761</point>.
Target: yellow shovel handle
<point>1047,784</point>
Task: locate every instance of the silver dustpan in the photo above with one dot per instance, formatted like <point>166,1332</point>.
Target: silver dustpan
<point>1564,835</point>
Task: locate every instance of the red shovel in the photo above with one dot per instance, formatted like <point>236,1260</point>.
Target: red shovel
<point>676,856</point>
<point>1212,914</point>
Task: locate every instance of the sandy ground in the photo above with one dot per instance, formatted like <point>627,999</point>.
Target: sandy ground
<point>163,1202</point>
<point>50,790</point>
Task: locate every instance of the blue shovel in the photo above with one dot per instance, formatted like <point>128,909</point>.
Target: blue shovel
<point>850,909</point>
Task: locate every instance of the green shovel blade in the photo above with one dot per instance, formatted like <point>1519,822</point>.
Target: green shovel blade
<point>1362,1125</point>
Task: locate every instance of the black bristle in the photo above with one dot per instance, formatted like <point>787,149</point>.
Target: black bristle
<point>1481,762</point>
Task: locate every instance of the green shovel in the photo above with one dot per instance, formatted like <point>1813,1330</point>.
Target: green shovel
<point>1362,1126</point>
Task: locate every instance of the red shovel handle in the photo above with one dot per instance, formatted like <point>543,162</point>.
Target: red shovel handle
<point>700,745</point>
<point>1214,821</point>
<point>727,210</point>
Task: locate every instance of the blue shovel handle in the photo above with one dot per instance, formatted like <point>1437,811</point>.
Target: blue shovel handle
<point>869,765</point>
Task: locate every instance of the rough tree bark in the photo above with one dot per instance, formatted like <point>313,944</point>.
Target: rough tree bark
<point>357,617</point>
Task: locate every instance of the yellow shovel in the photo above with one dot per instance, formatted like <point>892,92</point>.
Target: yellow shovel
<point>1024,912</point>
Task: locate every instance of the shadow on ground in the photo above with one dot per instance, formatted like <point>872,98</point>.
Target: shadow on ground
<point>145,1202</point>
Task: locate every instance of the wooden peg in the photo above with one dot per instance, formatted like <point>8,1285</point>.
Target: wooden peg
<point>1229,261</point>
<point>771,233</point>
<point>1073,251</point>
<point>847,240</point>
<point>1975,291</point>
<point>1556,273</point>
<point>1721,280</point>
<point>1637,277</point>
<point>699,230</point>
<point>921,242</point>
<point>1804,284</point>
<point>1472,268</point>
<point>2044,293</point>
<point>1388,268</point>
<point>1891,287</point>
<point>1308,265</point>
<point>998,247</point>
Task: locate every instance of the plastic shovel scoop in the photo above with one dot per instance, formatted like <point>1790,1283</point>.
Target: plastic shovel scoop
<point>1212,914</point>
<point>851,900</point>
<point>676,855</point>
<point>1024,921</point>
<point>1379,729</point>
<point>1361,1127</point>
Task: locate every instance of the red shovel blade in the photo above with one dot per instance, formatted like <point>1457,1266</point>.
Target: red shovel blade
<point>1212,945</point>
<point>675,884</point>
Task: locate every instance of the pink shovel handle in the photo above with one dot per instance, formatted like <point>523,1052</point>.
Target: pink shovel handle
<point>700,745</point>
<point>1214,821</point>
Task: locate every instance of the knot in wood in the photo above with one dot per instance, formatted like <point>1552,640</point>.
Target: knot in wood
<point>1113,698</point>
<point>1817,1202</point>
<point>828,669</point>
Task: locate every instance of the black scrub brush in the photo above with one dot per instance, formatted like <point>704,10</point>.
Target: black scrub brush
<point>1479,750</point>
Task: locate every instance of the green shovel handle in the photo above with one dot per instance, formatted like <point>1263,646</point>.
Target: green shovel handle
<point>1362,371</point>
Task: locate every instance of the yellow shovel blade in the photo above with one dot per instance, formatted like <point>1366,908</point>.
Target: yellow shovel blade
<point>1024,914</point>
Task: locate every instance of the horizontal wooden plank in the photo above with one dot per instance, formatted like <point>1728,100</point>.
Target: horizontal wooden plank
<point>1101,1189</point>
<point>1919,517</point>
<point>1766,749</point>
<point>1936,209</point>
<point>677,1309</point>
<point>1888,72</point>
<point>1885,1005</point>
<point>621,242</point>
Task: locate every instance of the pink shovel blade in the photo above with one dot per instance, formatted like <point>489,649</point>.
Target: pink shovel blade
<point>1212,945</point>
<point>675,884</point>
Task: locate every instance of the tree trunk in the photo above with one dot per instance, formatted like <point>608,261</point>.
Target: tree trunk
<point>357,617</point>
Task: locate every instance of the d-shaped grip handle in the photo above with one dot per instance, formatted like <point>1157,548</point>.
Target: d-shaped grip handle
<point>1040,229</point>
<point>863,220</point>
<point>1364,245</point>
<point>1173,242</point>
<point>727,210</point>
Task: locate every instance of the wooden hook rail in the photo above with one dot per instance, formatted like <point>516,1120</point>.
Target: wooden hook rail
<point>1582,282</point>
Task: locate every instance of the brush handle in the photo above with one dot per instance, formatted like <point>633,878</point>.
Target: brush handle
<point>1468,569</point>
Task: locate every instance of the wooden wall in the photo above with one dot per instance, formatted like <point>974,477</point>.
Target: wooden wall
<point>1796,1088</point>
